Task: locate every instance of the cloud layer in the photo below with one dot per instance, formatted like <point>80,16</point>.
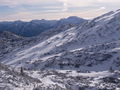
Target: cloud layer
<point>54,9</point>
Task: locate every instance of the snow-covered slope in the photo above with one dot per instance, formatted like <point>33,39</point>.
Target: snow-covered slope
<point>43,48</point>
<point>101,30</point>
<point>10,79</point>
<point>69,58</point>
<point>9,42</point>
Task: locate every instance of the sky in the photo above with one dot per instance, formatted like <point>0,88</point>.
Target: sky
<point>54,9</point>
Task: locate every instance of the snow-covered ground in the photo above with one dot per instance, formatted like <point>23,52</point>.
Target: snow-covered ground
<point>85,57</point>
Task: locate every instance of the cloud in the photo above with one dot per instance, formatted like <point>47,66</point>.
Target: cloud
<point>65,6</point>
<point>110,1</point>
<point>17,16</point>
<point>102,8</point>
<point>27,16</point>
<point>75,3</point>
<point>23,2</point>
<point>30,9</point>
<point>65,2</point>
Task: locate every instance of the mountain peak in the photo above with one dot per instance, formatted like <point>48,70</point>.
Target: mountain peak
<point>74,17</point>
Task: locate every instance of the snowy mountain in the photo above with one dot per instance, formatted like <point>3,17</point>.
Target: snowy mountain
<point>35,27</point>
<point>84,57</point>
<point>94,32</point>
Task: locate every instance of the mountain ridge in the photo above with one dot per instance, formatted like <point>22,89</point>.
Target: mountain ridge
<point>35,27</point>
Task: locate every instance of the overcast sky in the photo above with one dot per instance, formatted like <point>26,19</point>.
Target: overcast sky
<point>54,9</point>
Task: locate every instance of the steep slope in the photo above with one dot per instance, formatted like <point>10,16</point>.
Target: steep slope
<point>43,48</point>
<point>54,31</point>
<point>95,42</point>
<point>101,30</point>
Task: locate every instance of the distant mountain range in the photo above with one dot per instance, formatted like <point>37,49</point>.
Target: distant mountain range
<point>35,27</point>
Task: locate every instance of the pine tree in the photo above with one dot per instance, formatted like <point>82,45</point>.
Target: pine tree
<point>21,71</point>
<point>111,69</point>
